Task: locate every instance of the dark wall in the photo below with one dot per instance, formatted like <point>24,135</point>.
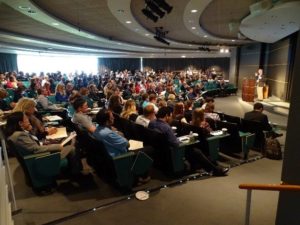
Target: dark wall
<point>175,64</point>
<point>249,61</point>
<point>276,60</point>
<point>277,67</point>
<point>8,62</point>
<point>118,64</point>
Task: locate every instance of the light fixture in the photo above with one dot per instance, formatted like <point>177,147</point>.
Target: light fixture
<point>226,50</point>
<point>194,10</point>
<point>128,21</point>
<point>55,24</point>
<point>193,28</point>
<point>183,56</point>
<point>31,11</point>
<point>205,49</point>
<point>222,50</point>
<point>155,9</point>
<point>205,36</point>
<point>160,35</point>
<point>24,7</point>
<point>164,5</point>
<point>150,15</point>
<point>147,34</point>
<point>233,40</point>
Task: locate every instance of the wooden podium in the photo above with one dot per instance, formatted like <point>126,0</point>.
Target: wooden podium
<point>248,90</point>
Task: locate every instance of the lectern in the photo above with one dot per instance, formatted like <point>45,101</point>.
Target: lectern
<point>248,89</point>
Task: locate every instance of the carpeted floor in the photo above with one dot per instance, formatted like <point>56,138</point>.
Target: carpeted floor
<point>211,201</point>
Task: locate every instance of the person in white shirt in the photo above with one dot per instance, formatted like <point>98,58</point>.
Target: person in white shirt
<point>148,115</point>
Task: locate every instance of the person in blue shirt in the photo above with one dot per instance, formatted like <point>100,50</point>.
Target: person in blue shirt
<point>194,156</point>
<point>114,143</point>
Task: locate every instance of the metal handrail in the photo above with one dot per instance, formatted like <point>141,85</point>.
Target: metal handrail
<point>270,187</point>
<point>264,187</point>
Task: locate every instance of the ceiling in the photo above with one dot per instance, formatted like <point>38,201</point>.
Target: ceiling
<point>99,27</point>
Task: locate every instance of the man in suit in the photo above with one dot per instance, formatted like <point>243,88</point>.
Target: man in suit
<point>258,115</point>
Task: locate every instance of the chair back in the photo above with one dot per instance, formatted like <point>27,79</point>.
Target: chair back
<point>256,128</point>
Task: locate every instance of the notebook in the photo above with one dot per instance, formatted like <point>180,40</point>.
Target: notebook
<point>134,145</point>
<point>61,133</point>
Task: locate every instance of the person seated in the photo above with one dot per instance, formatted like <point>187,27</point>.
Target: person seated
<point>194,156</point>
<point>208,100</point>
<point>28,107</point>
<point>44,101</point>
<point>191,94</point>
<point>171,101</point>
<point>209,112</point>
<point>129,112</point>
<point>178,112</point>
<point>80,117</point>
<point>188,110</point>
<point>4,106</point>
<point>115,104</point>
<point>84,92</point>
<point>18,131</point>
<point>60,93</point>
<point>199,121</point>
<point>19,92</point>
<point>257,115</point>
<point>152,101</point>
<point>148,115</point>
<point>115,144</point>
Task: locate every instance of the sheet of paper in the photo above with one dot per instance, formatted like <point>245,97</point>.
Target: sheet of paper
<point>134,145</point>
<point>61,133</point>
<point>53,118</point>
<point>71,136</point>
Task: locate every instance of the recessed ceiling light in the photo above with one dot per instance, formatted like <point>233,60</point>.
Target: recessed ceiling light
<point>55,24</point>
<point>128,21</point>
<point>233,40</point>
<point>194,10</point>
<point>205,36</point>
<point>222,50</point>
<point>183,56</point>
<point>226,50</point>
<point>31,11</point>
<point>193,28</point>
<point>147,34</point>
<point>24,7</point>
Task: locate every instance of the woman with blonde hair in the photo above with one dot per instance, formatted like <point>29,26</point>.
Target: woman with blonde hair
<point>129,111</point>
<point>28,107</point>
<point>60,93</point>
<point>199,121</point>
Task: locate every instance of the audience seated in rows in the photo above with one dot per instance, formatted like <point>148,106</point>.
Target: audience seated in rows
<point>28,107</point>
<point>195,157</point>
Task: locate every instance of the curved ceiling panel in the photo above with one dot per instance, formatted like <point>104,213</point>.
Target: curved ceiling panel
<point>222,18</point>
<point>272,24</point>
<point>192,13</point>
<point>93,16</point>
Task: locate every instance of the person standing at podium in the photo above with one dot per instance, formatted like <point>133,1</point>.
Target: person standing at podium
<point>260,83</point>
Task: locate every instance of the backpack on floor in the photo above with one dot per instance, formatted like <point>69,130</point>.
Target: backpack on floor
<point>273,149</point>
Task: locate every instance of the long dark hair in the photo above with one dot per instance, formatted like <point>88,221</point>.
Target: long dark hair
<point>13,123</point>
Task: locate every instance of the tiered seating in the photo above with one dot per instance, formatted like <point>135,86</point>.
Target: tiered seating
<point>42,169</point>
<point>121,170</point>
